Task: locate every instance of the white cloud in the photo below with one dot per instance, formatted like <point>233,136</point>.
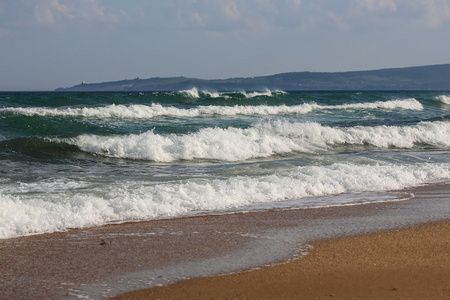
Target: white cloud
<point>19,16</point>
<point>231,10</point>
<point>56,12</point>
<point>377,5</point>
<point>436,12</point>
<point>228,15</point>
<point>339,21</point>
<point>431,13</point>
<point>295,3</point>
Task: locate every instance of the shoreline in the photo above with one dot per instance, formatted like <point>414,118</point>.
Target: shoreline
<point>410,263</point>
<point>107,261</point>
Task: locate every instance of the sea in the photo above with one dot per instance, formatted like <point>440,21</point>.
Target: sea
<point>84,159</point>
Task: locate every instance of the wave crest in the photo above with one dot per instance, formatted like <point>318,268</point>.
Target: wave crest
<point>26,213</point>
<point>139,111</point>
<point>444,99</point>
<point>264,139</point>
<point>195,93</point>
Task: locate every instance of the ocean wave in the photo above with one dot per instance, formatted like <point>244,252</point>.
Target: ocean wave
<point>264,139</point>
<point>139,111</point>
<point>195,93</point>
<point>443,98</point>
<point>266,93</point>
<point>40,147</point>
<point>407,104</point>
<point>28,213</point>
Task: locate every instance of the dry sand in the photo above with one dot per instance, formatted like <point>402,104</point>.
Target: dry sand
<point>403,264</point>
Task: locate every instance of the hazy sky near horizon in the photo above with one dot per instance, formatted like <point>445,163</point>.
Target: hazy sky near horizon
<point>46,44</point>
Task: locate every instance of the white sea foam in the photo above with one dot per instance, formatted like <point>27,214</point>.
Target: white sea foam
<point>444,99</point>
<point>195,93</point>
<point>215,94</point>
<point>267,93</point>
<point>410,104</point>
<point>54,184</point>
<point>264,139</point>
<point>191,93</point>
<point>138,111</point>
<point>30,213</point>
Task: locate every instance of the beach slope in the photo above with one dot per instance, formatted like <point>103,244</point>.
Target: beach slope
<point>410,263</point>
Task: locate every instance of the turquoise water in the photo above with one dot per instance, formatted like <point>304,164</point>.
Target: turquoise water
<point>86,159</point>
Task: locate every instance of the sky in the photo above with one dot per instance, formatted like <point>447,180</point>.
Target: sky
<point>46,44</point>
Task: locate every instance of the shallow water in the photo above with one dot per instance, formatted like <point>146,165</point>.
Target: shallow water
<point>283,240</point>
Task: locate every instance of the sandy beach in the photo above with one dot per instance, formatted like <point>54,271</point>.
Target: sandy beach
<point>379,261</point>
<point>410,263</point>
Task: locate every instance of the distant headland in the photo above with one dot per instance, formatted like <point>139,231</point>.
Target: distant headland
<point>432,77</point>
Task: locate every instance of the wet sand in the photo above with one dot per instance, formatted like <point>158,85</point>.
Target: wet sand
<point>102,262</point>
<point>403,264</point>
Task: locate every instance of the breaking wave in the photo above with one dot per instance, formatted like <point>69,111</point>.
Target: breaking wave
<point>28,212</point>
<point>444,99</point>
<point>264,139</point>
<point>139,111</point>
<point>195,93</point>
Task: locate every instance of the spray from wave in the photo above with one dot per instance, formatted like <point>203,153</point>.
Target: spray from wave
<point>195,93</point>
<point>444,99</point>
